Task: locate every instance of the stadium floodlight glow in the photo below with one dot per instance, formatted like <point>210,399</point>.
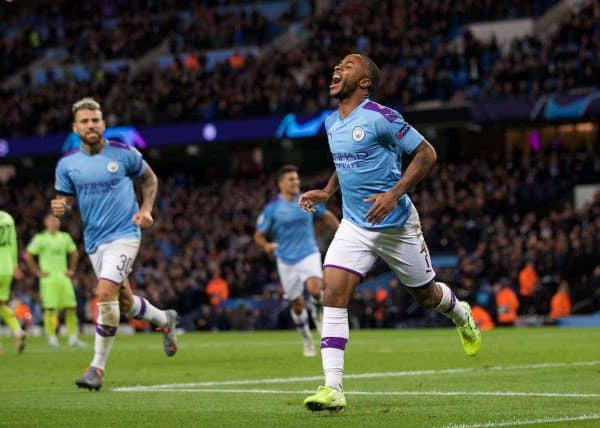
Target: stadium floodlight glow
<point>4,148</point>
<point>209,132</point>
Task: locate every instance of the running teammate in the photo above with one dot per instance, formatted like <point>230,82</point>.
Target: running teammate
<point>293,242</point>
<point>100,176</point>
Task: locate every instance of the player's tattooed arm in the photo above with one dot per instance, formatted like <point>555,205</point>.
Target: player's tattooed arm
<point>309,199</point>
<point>144,218</point>
<point>424,157</point>
<point>384,203</point>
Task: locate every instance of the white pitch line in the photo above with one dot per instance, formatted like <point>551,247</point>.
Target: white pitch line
<point>497,424</point>
<point>268,381</point>
<point>372,393</point>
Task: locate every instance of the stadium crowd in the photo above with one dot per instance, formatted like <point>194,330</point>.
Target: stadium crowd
<point>511,224</point>
<point>423,48</point>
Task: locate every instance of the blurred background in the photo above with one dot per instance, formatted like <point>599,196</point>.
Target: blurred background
<point>218,94</point>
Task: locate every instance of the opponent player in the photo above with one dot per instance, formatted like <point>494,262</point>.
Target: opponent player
<point>100,175</point>
<point>294,245</point>
<point>379,219</point>
<point>9,267</point>
<point>53,247</point>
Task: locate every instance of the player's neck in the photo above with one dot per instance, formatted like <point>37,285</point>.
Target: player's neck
<point>288,196</point>
<point>95,149</point>
<point>348,105</point>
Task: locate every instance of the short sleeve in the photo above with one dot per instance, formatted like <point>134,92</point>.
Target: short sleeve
<point>399,134</point>
<point>62,181</point>
<point>135,164</point>
<point>320,210</point>
<point>35,246</point>
<point>264,221</point>
<point>70,244</point>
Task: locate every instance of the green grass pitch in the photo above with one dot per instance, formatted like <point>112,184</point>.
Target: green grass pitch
<point>395,378</point>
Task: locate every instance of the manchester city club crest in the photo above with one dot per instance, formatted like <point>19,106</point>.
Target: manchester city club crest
<point>358,134</point>
<point>112,167</point>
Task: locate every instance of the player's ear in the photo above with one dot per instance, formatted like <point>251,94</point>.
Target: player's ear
<point>365,83</point>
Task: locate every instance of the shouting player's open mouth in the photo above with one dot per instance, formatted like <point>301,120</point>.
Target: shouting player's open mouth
<point>335,80</point>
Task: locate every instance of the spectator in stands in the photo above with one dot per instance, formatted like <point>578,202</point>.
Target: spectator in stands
<point>560,305</point>
<point>507,303</point>
<point>528,282</point>
<point>482,318</point>
<point>217,289</point>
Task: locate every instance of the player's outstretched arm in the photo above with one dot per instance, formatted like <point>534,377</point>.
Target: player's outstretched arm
<point>309,199</point>
<point>383,203</point>
<point>143,217</point>
<point>261,240</point>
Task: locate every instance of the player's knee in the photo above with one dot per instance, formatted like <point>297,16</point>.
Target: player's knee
<point>106,294</point>
<point>298,305</point>
<point>315,287</point>
<point>426,299</point>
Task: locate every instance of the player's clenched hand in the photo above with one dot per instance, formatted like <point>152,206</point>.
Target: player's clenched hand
<point>270,247</point>
<point>17,273</point>
<point>58,206</point>
<point>384,204</point>
<point>143,218</point>
<point>309,199</point>
<point>70,273</point>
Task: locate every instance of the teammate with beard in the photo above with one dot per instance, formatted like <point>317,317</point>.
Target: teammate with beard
<point>99,175</point>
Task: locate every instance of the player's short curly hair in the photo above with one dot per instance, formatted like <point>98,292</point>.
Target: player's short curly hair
<point>373,72</point>
<point>87,103</point>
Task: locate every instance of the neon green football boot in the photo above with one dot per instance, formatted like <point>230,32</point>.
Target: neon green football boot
<point>326,398</point>
<point>470,336</point>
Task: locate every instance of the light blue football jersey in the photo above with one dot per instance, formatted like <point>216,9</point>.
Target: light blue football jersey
<point>290,227</point>
<point>103,185</point>
<point>365,147</point>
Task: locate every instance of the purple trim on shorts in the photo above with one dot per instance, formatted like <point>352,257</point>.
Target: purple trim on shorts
<point>334,342</point>
<point>106,330</point>
<point>110,280</point>
<point>301,325</point>
<point>360,275</point>
<point>142,308</point>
